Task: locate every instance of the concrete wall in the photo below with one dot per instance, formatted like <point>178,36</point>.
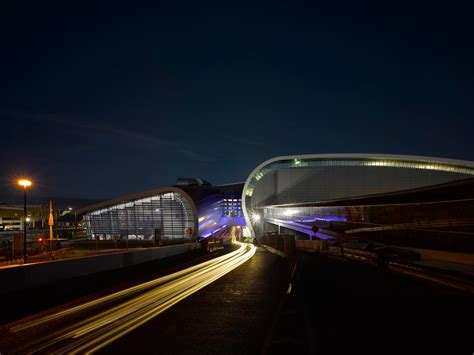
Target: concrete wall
<point>21,277</point>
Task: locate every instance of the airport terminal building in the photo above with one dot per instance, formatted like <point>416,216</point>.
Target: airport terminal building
<point>329,195</point>
<point>192,208</point>
<point>314,196</point>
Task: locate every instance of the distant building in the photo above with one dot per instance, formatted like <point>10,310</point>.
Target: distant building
<point>192,208</point>
<point>11,216</point>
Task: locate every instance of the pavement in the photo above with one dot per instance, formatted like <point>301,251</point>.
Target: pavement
<point>230,316</point>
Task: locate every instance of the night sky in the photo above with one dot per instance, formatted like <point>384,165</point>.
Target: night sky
<point>101,101</point>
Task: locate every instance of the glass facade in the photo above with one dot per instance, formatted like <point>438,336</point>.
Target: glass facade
<point>444,225</point>
<point>232,207</point>
<point>419,215</point>
<point>168,215</point>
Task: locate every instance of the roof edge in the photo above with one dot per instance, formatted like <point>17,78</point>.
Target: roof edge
<point>132,197</point>
<point>418,158</point>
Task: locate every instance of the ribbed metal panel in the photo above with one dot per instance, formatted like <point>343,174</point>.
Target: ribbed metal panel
<point>336,182</point>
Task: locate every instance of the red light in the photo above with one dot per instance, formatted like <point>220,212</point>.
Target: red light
<point>40,240</point>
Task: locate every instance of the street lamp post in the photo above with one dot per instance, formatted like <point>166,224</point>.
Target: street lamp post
<point>24,183</point>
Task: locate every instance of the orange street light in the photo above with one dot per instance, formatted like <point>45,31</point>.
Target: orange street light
<point>24,183</point>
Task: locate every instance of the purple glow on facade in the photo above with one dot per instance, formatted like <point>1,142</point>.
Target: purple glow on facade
<point>214,231</point>
<point>212,218</point>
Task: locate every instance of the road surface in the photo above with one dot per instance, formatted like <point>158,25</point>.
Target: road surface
<point>94,325</point>
<point>334,306</point>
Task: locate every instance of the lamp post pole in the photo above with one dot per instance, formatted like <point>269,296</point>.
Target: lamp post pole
<point>24,224</point>
<point>24,183</point>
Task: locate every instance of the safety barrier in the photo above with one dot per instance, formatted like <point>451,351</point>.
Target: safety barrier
<point>24,276</point>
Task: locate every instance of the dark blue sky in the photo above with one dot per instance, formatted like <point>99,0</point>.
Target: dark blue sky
<point>102,101</point>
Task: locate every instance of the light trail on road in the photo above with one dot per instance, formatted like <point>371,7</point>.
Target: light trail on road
<point>144,302</point>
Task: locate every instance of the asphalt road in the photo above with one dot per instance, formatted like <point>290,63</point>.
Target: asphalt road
<point>66,293</point>
<point>31,304</point>
<point>230,316</point>
<point>335,306</point>
<point>105,321</point>
<point>345,307</point>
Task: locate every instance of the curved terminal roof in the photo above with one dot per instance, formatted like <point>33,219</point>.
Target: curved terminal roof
<point>350,159</point>
<point>138,196</point>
